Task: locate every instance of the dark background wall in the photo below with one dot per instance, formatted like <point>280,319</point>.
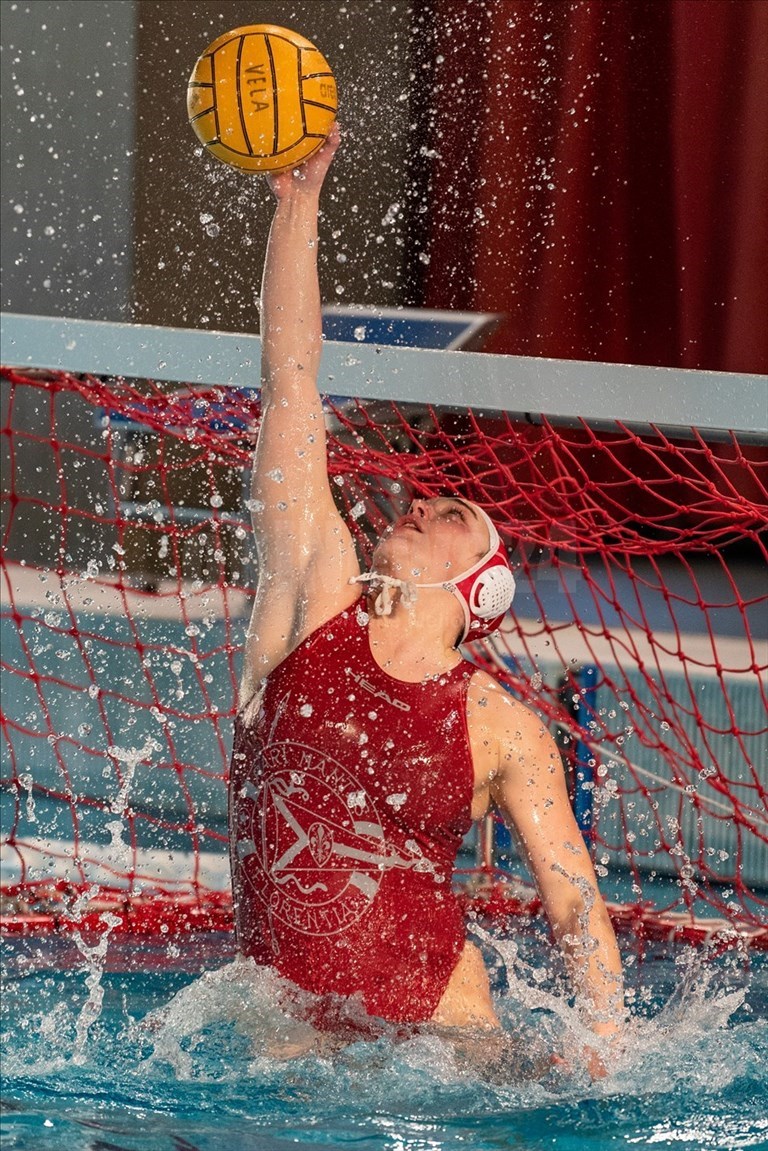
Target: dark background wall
<point>596,171</point>
<point>600,175</point>
<point>68,106</point>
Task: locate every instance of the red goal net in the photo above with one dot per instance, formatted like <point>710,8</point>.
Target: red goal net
<point>638,632</point>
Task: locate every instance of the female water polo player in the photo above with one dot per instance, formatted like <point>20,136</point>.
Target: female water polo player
<point>365,744</point>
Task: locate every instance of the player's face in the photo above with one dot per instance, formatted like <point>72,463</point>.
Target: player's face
<point>435,540</point>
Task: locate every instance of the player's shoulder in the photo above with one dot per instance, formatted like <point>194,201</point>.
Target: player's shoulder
<point>502,711</point>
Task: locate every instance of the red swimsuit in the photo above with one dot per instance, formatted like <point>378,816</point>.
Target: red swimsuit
<point>350,795</point>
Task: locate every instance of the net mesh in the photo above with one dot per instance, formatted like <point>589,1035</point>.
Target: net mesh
<point>638,632</point>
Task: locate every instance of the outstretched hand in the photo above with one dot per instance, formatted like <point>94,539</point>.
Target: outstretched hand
<point>310,175</point>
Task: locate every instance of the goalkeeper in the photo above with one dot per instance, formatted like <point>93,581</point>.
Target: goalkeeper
<point>364,743</point>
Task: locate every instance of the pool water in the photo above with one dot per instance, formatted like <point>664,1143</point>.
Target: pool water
<point>168,1045</point>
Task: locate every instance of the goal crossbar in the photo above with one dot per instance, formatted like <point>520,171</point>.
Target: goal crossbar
<point>563,390</point>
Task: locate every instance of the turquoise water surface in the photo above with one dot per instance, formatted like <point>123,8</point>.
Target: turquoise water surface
<point>170,1045</point>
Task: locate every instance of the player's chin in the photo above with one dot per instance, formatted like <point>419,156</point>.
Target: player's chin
<point>395,552</point>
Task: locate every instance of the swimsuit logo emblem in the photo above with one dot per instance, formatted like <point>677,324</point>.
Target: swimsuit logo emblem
<point>311,847</point>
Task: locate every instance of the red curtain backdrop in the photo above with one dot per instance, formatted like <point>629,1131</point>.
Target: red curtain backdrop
<point>597,170</point>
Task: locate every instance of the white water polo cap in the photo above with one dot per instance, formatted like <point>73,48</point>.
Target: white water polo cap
<point>485,590</point>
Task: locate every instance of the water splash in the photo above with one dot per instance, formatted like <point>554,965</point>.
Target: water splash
<point>94,956</point>
<point>226,1051</point>
<point>243,997</point>
<point>542,1031</point>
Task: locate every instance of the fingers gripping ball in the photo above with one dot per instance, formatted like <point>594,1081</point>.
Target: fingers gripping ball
<point>262,98</point>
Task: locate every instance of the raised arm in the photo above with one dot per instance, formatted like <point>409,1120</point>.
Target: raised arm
<point>305,551</point>
<point>530,791</point>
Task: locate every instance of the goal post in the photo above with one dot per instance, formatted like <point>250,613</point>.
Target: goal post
<point>634,503</point>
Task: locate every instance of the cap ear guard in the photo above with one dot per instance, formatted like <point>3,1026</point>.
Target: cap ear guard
<point>485,595</point>
<point>491,592</point>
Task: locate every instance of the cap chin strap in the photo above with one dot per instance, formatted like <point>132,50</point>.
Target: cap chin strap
<point>388,585</point>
